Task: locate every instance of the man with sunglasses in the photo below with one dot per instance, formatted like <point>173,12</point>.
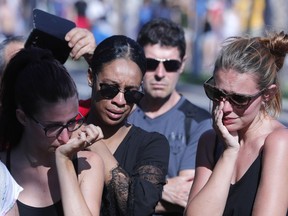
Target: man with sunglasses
<point>164,110</point>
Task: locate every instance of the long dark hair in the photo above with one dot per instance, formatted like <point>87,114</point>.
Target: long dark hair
<point>31,77</point>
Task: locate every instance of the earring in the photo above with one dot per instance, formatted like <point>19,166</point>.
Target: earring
<point>90,77</point>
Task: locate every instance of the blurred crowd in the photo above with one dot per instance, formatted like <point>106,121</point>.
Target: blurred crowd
<point>206,22</point>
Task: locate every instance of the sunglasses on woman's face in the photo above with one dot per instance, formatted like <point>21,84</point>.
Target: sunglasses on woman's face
<point>238,100</point>
<point>110,91</point>
<point>171,65</point>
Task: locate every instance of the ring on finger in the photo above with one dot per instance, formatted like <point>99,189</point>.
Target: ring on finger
<point>88,143</point>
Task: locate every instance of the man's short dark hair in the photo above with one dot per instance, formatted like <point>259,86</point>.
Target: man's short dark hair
<point>164,32</point>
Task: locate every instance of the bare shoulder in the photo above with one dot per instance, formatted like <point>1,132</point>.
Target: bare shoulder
<point>90,170</point>
<point>279,135</point>
<point>277,141</point>
<point>89,158</point>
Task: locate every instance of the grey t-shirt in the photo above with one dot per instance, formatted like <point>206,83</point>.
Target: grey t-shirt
<point>171,124</point>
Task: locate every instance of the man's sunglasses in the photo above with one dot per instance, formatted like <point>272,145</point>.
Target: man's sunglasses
<point>110,91</point>
<point>238,100</point>
<point>171,65</point>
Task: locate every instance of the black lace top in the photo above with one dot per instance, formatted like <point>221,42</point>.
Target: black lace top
<point>137,183</point>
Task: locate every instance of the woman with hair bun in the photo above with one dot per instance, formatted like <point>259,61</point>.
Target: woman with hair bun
<point>242,165</point>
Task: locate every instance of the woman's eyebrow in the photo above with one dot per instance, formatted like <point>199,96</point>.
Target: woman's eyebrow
<point>60,123</point>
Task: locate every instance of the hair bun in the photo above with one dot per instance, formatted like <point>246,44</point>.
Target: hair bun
<point>278,46</point>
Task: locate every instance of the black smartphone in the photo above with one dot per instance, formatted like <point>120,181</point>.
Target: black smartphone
<point>49,33</point>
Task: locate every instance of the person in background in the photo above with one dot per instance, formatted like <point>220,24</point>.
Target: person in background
<point>81,19</point>
<point>8,48</point>
<point>9,192</point>
<point>166,111</point>
<point>42,135</point>
<point>136,161</point>
<point>242,166</point>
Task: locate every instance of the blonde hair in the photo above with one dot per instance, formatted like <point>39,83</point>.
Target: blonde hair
<point>262,57</point>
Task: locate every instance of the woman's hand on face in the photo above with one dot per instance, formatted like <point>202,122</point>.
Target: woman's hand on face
<point>230,138</point>
<point>85,137</point>
<point>82,42</point>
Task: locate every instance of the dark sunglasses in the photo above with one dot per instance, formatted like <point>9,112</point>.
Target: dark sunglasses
<point>170,65</point>
<point>110,91</point>
<point>238,100</point>
<point>54,130</point>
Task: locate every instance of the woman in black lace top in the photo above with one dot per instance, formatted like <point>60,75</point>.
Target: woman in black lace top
<point>135,161</point>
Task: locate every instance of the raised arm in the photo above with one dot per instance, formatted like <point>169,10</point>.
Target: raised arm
<point>210,190</point>
<point>81,195</point>
<point>211,184</point>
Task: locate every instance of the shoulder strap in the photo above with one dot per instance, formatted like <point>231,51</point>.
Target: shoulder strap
<point>192,111</point>
<point>187,109</point>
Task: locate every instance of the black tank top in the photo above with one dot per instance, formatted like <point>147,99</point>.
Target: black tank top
<point>242,194</point>
<point>52,210</point>
<point>55,209</point>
